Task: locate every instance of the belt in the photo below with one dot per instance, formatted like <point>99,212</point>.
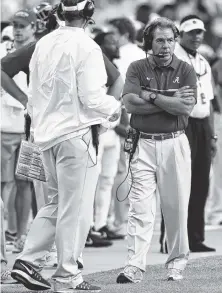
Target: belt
<point>161,136</point>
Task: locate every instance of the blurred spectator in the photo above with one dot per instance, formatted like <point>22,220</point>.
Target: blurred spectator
<point>200,130</point>
<point>129,51</point>
<point>207,52</point>
<point>7,34</point>
<point>168,11</point>
<point>109,44</point>
<point>5,272</point>
<point>143,13</point>
<point>109,154</point>
<point>214,216</point>
<point>42,12</point>
<point>16,192</point>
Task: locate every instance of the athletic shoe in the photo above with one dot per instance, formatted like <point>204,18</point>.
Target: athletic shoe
<point>95,239</point>
<point>19,244</point>
<point>109,234</point>
<point>62,287</point>
<point>24,273</point>
<point>6,277</point>
<point>130,274</point>
<point>174,275</point>
<point>200,247</point>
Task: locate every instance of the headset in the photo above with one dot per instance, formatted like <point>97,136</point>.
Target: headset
<point>148,34</point>
<point>86,13</point>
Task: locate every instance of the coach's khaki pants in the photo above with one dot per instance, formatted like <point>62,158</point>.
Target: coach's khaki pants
<point>163,166</point>
<point>64,219</point>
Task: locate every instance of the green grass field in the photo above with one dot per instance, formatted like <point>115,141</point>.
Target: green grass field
<point>202,275</point>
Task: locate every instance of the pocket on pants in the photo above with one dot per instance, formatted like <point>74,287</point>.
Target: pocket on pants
<point>185,147</point>
<point>87,139</point>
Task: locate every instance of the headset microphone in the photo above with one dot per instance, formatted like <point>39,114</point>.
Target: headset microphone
<point>157,55</point>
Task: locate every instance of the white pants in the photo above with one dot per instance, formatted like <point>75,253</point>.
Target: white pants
<point>64,219</point>
<point>215,199</point>
<point>163,166</point>
<point>3,246</point>
<point>120,192</point>
<point>108,159</point>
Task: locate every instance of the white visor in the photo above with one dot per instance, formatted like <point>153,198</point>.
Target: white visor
<point>192,24</point>
<point>80,6</point>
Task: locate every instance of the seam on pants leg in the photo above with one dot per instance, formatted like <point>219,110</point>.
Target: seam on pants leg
<point>81,201</point>
<point>172,260</point>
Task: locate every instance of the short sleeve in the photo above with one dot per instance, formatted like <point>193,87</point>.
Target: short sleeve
<point>111,71</point>
<point>18,60</point>
<point>190,78</point>
<point>132,83</point>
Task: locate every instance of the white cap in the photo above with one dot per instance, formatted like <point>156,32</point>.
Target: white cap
<point>192,24</point>
<point>8,32</point>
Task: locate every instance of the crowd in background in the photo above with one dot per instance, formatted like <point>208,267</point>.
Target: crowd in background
<point>121,41</point>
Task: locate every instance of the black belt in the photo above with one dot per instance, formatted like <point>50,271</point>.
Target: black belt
<point>161,136</point>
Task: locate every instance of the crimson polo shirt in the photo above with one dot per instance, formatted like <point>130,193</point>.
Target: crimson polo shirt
<point>165,80</point>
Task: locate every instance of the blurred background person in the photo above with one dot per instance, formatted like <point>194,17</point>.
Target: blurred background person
<point>7,34</point>
<point>16,192</point>
<point>109,152</point>
<point>42,11</point>
<point>214,214</point>
<point>5,276</point>
<point>125,32</point>
<point>200,130</point>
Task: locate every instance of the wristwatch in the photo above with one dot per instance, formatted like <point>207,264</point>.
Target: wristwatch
<point>152,97</point>
<point>215,137</point>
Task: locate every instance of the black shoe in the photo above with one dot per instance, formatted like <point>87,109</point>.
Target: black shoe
<point>163,248</point>
<point>95,239</point>
<point>110,235</point>
<point>122,279</point>
<point>26,275</point>
<point>200,247</point>
<point>80,265</point>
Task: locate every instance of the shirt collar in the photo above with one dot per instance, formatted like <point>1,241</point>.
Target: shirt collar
<point>172,65</point>
<point>71,28</point>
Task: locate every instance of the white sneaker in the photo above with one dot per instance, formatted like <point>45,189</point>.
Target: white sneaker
<point>130,274</point>
<point>174,275</point>
<point>6,277</point>
<point>67,287</point>
<point>19,244</point>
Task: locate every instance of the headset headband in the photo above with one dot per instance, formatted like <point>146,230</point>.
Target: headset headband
<point>78,7</point>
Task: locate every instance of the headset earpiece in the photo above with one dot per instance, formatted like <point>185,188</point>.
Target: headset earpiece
<point>147,38</point>
<point>60,12</point>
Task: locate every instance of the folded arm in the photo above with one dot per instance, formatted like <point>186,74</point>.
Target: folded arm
<point>12,89</point>
<point>136,105</point>
<point>181,103</point>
